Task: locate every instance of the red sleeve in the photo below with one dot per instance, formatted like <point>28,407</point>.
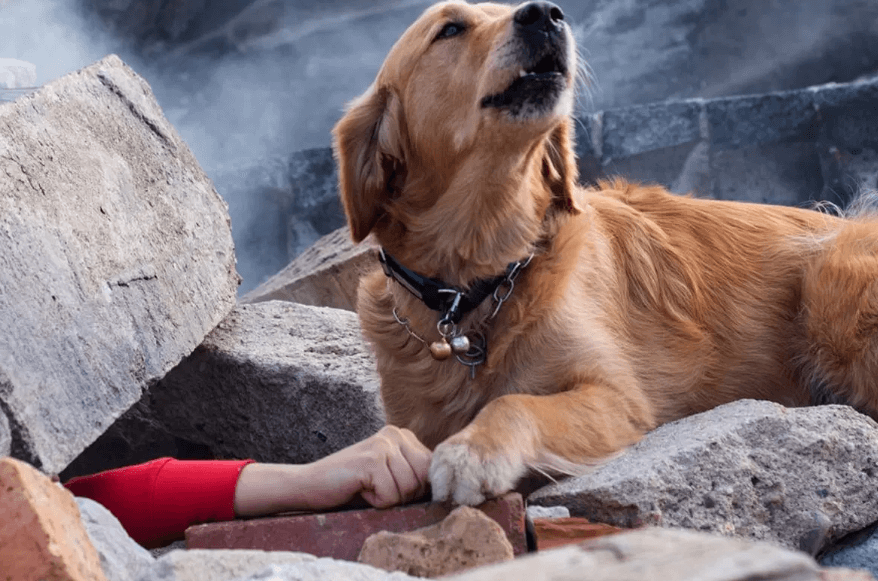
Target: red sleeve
<point>158,500</point>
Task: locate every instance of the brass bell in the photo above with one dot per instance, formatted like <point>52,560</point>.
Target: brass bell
<point>440,350</point>
<point>460,344</point>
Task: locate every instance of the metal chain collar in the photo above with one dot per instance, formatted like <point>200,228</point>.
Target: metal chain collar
<point>470,348</point>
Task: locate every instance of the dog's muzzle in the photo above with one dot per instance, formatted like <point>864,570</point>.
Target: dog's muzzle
<point>542,39</point>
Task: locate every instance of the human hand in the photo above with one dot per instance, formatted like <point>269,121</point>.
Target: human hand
<point>388,468</point>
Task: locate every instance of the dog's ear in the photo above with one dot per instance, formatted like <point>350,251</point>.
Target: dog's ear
<point>370,151</point>
<point>559,167</point>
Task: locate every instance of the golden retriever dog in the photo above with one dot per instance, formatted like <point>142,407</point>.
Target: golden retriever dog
<point>522,322</point>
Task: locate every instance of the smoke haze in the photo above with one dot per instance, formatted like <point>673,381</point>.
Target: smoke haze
<point>248,82</point>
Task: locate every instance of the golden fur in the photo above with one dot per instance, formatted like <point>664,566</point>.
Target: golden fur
<point>639,307</point>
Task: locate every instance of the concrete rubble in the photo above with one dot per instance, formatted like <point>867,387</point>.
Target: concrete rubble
<point>122,341</point>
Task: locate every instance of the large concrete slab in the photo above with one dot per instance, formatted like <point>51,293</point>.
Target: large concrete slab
<point>116,257</point>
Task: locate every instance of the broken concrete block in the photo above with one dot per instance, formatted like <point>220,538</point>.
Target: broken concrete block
<point>655,555</point>
<point>326,275</point>
<point>122,559</point>
<point>275,382</point>
<point>117,257</point>
<point>202,565</point>
<point>798,477</point>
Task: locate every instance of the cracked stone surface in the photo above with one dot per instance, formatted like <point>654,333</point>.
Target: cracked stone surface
<point>271,382</point>
<point>116,258</point>
<point>656,554</point>
<point>798,477</point>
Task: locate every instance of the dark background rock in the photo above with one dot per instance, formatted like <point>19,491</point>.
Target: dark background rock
<point>326,275</point>
<point>639,52</point>
<point>794,147</point>
<point>857,551</point>
<point>275,381</point>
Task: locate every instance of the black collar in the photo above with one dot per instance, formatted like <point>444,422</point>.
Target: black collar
<point>449,300</point>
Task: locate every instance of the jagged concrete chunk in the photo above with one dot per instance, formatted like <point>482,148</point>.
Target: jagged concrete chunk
<point>801,477</point>
<point>218,565</point>
<point>122,559</point>
<point>275,381</point>
<point>116,257</point>
<point>5,436</point>
<point>656,555</point>
<point>324,570</point>
<point>326,275</point>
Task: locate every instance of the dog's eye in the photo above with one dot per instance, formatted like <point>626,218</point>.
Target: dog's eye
<point>450,29</point>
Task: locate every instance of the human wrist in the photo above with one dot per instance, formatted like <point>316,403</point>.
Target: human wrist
<point>271,488</point>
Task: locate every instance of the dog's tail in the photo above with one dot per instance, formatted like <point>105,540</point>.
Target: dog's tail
<point>840,309</point>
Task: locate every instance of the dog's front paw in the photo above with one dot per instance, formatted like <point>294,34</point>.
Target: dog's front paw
<point>467,472</point>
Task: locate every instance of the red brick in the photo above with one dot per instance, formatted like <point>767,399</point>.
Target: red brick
<point>340,535</point>
<point>41,531</point>
<point>556,532</point>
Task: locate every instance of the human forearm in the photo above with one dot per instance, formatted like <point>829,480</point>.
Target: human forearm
<point>388,468</point>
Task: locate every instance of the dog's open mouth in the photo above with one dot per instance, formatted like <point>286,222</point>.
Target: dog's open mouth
<point>537,87</point>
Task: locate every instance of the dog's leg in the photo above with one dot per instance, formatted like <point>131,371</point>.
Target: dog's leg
<point>565,432</point>
<point>840,318</point>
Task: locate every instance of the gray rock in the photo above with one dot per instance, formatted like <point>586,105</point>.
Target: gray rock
<point>758,119</point>
<point>325,569</point>
<point>290,203</point>
<point>780,173</point>
<point>789,148</point>
<point>802,478</point>
<point>178,545</point>
<point>847,114</point>
<point>655,555</point>
<point>548,512</point>
<point>783,148</point>
<point>641,52</point>
<point>5,436</point>
<point>326,275</point>
<point>117,257</point>
<point>275,381</point>
<point>644,128</point>
<point>122,559</point>
<point>217,565</point>
<point>859,552</point>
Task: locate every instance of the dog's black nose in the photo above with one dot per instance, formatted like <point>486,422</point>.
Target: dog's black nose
<point>538,16</point>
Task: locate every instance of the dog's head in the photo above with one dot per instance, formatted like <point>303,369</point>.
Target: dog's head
<point>470,96</point>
